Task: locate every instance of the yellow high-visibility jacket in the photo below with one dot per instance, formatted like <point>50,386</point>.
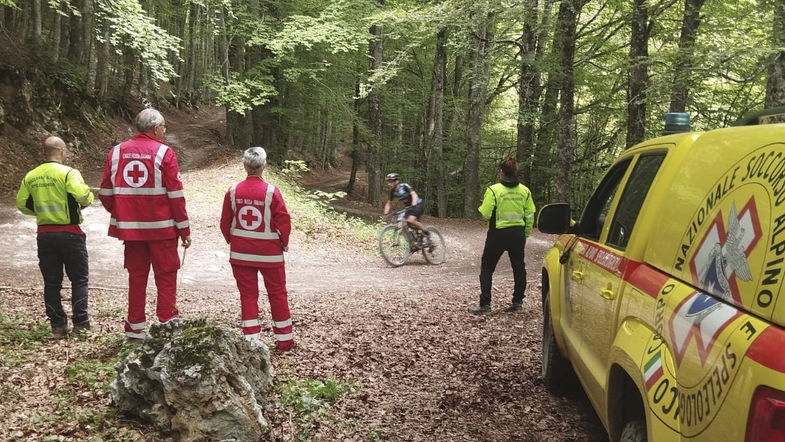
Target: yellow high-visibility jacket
<point>508,205</point>
<point>54,193</point>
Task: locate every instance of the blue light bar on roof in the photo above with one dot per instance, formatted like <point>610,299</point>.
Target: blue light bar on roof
<point>676,122</point>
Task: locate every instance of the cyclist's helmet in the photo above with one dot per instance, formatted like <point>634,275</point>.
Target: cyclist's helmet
<point>392,177</point>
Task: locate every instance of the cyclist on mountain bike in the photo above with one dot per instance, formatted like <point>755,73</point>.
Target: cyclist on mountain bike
<point>411,201</point>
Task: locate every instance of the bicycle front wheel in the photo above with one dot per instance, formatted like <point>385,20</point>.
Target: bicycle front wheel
<point>393,246</point>
<point>434,250</point>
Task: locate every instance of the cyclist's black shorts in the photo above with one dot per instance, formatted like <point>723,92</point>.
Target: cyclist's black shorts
<point>415,210</point>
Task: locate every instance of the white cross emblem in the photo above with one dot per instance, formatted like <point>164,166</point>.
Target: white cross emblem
<point>135,173</point>
<point>250,217</point>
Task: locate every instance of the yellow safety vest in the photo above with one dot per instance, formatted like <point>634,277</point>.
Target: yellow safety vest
<point>54,193</point>
<point>513,206</point>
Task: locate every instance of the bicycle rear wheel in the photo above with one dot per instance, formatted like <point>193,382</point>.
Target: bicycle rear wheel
<point>434,251</point>
<point>393,246</point>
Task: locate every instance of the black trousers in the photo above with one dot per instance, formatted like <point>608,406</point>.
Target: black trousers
<point>513,241</point>
<point>55,251</point>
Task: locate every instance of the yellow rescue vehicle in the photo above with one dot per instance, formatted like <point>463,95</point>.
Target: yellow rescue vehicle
<point>664,297</point>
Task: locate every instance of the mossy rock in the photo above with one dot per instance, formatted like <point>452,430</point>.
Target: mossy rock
<point>198,380</point>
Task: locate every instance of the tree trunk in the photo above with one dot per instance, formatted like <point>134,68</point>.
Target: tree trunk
<point>238,124</point>
<point>681,72</point>
<point>37,19</point>
<point>190,72</point>
<point>325,134</point>
<point>181,66</point>
<point>354,154</point>
<point>75,35</point>
<point>65,41</point>
<point>436,120</point>
<point>478,91</point>
<point>223,53</point>
<point>775,84</point>
<point>639,74</point>
<point>129,65</point>
<point>457,76</point>
<point>543,165</point>
<point>374,161</point>
<point>8,19</point>
<point>569,11</point>
<point>56,36</point>
<point>540,168</point>
<point>22,23</point>
<point>528,90</point>
<point>88,16</point>
<point>102,70</point>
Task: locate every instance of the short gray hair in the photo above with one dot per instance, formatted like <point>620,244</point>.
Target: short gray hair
<point>254,159</point>
<point>148,119</point>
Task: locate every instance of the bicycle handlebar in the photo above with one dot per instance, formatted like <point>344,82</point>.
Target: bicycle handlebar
<point>398,214</point>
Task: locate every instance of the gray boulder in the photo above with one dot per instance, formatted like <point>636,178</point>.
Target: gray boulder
<point>198,381</point>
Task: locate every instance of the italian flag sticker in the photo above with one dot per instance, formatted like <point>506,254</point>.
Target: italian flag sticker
<point>652,372</point>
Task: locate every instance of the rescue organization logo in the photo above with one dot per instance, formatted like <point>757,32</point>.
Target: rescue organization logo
<point>702,317</point>
<point>722,255</point>
<point>250,217</point>
<point>135,173</point>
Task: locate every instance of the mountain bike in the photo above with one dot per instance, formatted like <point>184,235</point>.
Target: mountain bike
<point>398,241</point>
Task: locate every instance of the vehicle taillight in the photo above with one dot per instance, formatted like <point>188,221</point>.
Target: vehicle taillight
<point>766,421</point>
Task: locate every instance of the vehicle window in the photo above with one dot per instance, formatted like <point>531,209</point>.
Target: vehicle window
<point>600,203</point>
<point>632,199</point>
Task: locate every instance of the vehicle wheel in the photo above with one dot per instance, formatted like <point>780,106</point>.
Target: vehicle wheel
<point>393,246</point>
<point>557,372</point>
<point>435,252</point>
<point>634,431</point>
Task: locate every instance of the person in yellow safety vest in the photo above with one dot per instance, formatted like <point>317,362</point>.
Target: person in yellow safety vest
<point>55,193</point>
<point>509,209</point>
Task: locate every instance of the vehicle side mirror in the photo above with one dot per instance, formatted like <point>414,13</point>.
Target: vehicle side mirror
<point>555,218</point>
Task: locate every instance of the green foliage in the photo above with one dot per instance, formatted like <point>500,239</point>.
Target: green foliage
<point>242,94</point>
<point>16,335</point>
<point>63,7</point>
<point>91,373</point>
<point>293,169</point>
<point>301,67</point>
<point>310,395</point>
<point>309,401</point>
<point>132,30</point>
<point>67,76</point>
<point>305,32</point>
<point>313,215</point>
<point>374,434</point>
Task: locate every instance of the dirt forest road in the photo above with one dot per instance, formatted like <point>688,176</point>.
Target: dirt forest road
<point>424,368</point>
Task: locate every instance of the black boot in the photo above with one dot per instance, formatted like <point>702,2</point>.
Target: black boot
<point>480,309</point>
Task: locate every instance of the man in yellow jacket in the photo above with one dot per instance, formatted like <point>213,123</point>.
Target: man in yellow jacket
<point>509,209</point>
<point>55,193</point>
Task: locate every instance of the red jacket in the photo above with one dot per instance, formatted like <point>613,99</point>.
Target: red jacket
<point>255,223</point>
<point>141,189</point>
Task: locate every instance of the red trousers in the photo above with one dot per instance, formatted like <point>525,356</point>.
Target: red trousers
<point>275,283</point>
<point>139,255</point>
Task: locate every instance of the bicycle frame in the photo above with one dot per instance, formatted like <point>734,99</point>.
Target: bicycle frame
<point>404,227</point>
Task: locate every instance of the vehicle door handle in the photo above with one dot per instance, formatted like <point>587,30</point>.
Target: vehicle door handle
<point>577,275</point>
<point>608,294</point>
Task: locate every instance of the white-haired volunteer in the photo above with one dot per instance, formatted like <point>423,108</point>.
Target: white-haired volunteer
<point>142,191</point>
<point>256,225</point>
